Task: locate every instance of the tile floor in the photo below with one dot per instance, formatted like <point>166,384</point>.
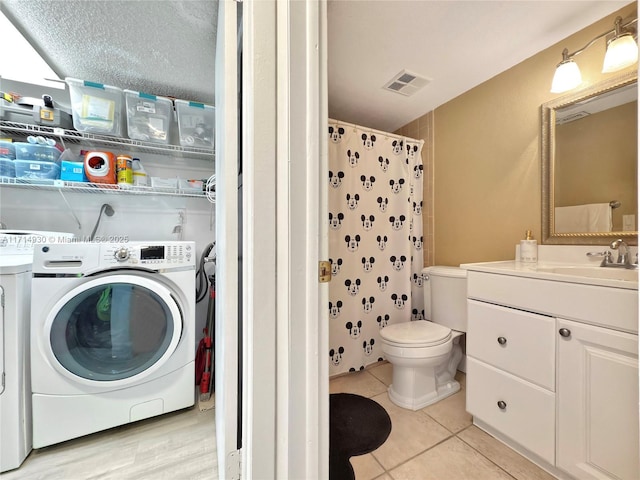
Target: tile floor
<point>438,442</point>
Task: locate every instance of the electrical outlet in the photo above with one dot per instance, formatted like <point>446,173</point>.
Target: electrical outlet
<point>182,215</point>
<point>628,223</point>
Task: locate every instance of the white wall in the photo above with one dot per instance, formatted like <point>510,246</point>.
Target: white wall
<point>136,218</point>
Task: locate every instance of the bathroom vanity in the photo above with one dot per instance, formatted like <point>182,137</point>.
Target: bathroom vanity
<point>552,364</point>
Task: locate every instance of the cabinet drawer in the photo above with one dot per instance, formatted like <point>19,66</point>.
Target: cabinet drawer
<point>522,343</point>
<point>609,307</point>
<point>528,416</point>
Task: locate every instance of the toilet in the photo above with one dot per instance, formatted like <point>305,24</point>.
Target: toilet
<point>425,354</point>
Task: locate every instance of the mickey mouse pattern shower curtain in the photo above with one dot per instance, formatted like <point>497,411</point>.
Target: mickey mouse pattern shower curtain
<point>375,240</point>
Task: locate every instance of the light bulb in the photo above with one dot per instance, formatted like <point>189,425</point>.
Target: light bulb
<point>621,53</point>
<point>567,76</point>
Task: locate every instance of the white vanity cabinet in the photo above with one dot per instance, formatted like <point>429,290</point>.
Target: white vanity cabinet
<point>597,402</point>
<point>511,374</point>
<point>547,377</point>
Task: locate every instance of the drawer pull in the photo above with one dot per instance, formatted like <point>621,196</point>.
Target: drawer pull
<point>502,340</point>
<point>502,405</point>
<point>564,332</point>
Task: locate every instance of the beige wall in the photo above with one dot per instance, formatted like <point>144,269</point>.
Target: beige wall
<point>422,128</point>
<point>486,155</point>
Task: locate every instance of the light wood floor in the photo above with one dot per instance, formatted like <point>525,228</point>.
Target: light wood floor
<point>175,446</point>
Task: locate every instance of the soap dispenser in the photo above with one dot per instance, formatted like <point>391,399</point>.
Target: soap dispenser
<point>529,249</point>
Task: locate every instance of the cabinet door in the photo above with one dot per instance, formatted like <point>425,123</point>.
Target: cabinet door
<point>597,402</point>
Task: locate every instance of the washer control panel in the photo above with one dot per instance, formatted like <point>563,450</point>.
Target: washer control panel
<point>153,255</point>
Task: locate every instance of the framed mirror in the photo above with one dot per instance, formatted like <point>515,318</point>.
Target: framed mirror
<point>590,165</point>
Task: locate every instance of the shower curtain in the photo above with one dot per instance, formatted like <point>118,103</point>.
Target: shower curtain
<point>375,240</point>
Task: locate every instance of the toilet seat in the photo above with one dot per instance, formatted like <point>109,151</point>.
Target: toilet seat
<point>415,334</point>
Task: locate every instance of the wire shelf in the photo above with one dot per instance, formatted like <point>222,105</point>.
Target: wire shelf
<point>101,188</point>
<point>84,138</point>
<point>76,137</point>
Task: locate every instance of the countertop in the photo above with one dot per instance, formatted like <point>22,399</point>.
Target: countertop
<point>543,271</point>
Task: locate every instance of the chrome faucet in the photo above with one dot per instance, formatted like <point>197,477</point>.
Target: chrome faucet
<point>624,255</point>
<point>606,258</point>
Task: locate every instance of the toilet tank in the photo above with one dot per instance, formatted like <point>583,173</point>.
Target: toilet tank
<point>445,296</point>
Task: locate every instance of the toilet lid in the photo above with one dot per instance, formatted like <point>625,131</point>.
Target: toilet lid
<point>419,333</point>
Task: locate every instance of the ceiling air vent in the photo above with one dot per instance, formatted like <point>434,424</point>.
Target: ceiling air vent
<point>406,83</point>
<point>570,117</point>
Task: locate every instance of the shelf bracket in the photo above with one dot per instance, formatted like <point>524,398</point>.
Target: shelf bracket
<point>73,214</point>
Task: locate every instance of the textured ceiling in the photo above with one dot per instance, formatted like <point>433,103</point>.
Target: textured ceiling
<point>457,44</point>
<point>167,47</point>
<point>162,47</point>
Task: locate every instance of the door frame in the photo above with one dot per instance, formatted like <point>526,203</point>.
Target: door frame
<point>226,230</point>
<point>259,239</point>
<point>286,383</point>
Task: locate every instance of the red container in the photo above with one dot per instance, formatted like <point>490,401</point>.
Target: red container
<point>100,167</point>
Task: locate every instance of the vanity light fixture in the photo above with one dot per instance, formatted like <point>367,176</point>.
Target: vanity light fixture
<point>567,74</point>
<point>622,51</point>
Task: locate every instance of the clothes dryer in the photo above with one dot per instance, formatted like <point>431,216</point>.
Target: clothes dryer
<point>15,394</point>
<point>16,255</point>
<point>112,335</point>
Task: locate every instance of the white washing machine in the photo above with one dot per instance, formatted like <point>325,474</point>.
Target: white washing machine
<point>112,335</point>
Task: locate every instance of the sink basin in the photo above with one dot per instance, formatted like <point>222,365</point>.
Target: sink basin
<point>609,273</point>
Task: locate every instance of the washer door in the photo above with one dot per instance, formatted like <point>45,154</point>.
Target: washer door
<point>116,329</point>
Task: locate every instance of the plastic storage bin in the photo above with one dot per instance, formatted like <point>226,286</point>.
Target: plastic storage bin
<point>34,114</point>
<point>31,169</point>
<point>195,124</point>
<point>96,108</point>
<point>149,117</point>
<point>157,182</point>
<point>7,150</point>
<point>40,153</point>
<point>12,112</point>
<point>7,168</point>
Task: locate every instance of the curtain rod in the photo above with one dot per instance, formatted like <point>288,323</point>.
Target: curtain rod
<point>377,132</point>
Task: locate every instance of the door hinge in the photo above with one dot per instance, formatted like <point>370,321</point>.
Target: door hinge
<point>324,271</point>
<point>233,465</point>
<point>2,299</point>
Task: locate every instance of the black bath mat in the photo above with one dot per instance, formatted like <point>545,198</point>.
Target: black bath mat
<point>357,425</point>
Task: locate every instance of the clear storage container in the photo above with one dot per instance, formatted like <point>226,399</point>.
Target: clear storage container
<point>34,151</point>
<point>195,124</point>
<point>96,108</point>
<point>149,117</point>
<point>157,182</point>
<point>7,150</point>
<point>7,168</point>
<point>31,169</point>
